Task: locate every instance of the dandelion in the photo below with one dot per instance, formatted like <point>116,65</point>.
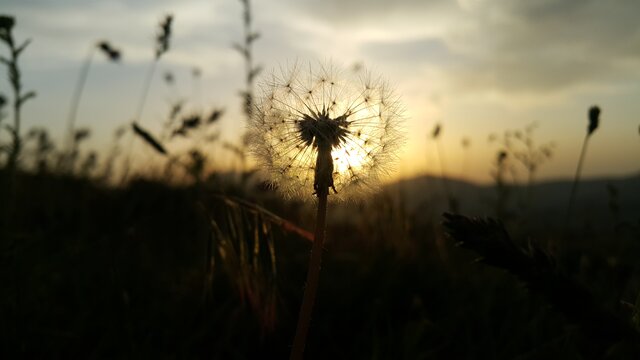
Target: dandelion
<point>317,130</point>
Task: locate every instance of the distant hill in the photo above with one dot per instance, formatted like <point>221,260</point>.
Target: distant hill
<point>596,199</point>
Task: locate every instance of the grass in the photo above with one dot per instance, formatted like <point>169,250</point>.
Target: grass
<point>126,273</point>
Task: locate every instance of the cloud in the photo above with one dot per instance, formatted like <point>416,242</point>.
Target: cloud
<point>429,50</point>
<point>511,47</point>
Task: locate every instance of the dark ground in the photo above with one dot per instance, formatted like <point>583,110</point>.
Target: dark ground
<point>152,271</point>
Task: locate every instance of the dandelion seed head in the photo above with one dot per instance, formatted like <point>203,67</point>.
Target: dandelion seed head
<point>312,107</point>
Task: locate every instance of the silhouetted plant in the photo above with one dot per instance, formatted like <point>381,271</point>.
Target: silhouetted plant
<point>538,271</point>
<point>196,165</point>
<point>163,37</point>
<point>594,120</point>
<point>520,145</point>
<point>113,55</point>
<point>148,138</point>
<point>246,50</point>
<point>114,151</point>
<point>3,103</point>
<point>243,247</point>
<point>43,148</point>
<point>194,126</point>
<point>313,131</point>
<point>197,128</point>
<point>19,98</point>
<point>88,164</point>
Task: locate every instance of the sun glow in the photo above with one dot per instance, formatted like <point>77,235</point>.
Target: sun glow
<point>346,160</point>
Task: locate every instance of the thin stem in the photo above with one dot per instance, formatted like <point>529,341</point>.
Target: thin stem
<point>75,100</point>
<point>248,58</point>
<point>16,84</point>
<point>143,99</point>
<point>313,275</point>
<point>576,180</point>
<point>145,89</point>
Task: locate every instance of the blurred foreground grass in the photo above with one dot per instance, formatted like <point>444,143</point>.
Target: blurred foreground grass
<point>152,271</point>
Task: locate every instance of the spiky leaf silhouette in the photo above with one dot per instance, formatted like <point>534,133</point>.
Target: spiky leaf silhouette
<point>537,270</point>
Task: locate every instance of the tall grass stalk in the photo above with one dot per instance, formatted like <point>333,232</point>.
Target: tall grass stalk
<point>161,47</point>
<point>114,56</point>
<point>251,71</point>
<point>594,120</point>
<point>75,99</point>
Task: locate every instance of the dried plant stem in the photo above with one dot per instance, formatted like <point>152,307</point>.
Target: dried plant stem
<point>313,275</point>
<point>75,101</point>
<point>139,110</point>
<point>576,180</point>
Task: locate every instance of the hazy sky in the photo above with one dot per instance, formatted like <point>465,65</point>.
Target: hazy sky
<point>475,66</point>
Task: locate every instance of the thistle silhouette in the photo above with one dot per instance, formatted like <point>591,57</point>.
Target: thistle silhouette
<point>316,131</point>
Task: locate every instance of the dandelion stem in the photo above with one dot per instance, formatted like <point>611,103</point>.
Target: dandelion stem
<point>323,181</point>
<point>313,275</point>
<point>576,180</point>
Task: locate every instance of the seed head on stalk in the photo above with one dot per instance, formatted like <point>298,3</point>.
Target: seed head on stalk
<point>317,128</point>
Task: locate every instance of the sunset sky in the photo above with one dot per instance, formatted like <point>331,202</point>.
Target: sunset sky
<point>475,66</point>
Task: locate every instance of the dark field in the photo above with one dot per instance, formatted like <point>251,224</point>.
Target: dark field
<point>152,271</point>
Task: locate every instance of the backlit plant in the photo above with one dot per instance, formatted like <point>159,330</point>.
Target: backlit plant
<point>318,131</point>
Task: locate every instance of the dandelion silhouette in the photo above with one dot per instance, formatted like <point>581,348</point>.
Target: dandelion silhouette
<point>316,130</point>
